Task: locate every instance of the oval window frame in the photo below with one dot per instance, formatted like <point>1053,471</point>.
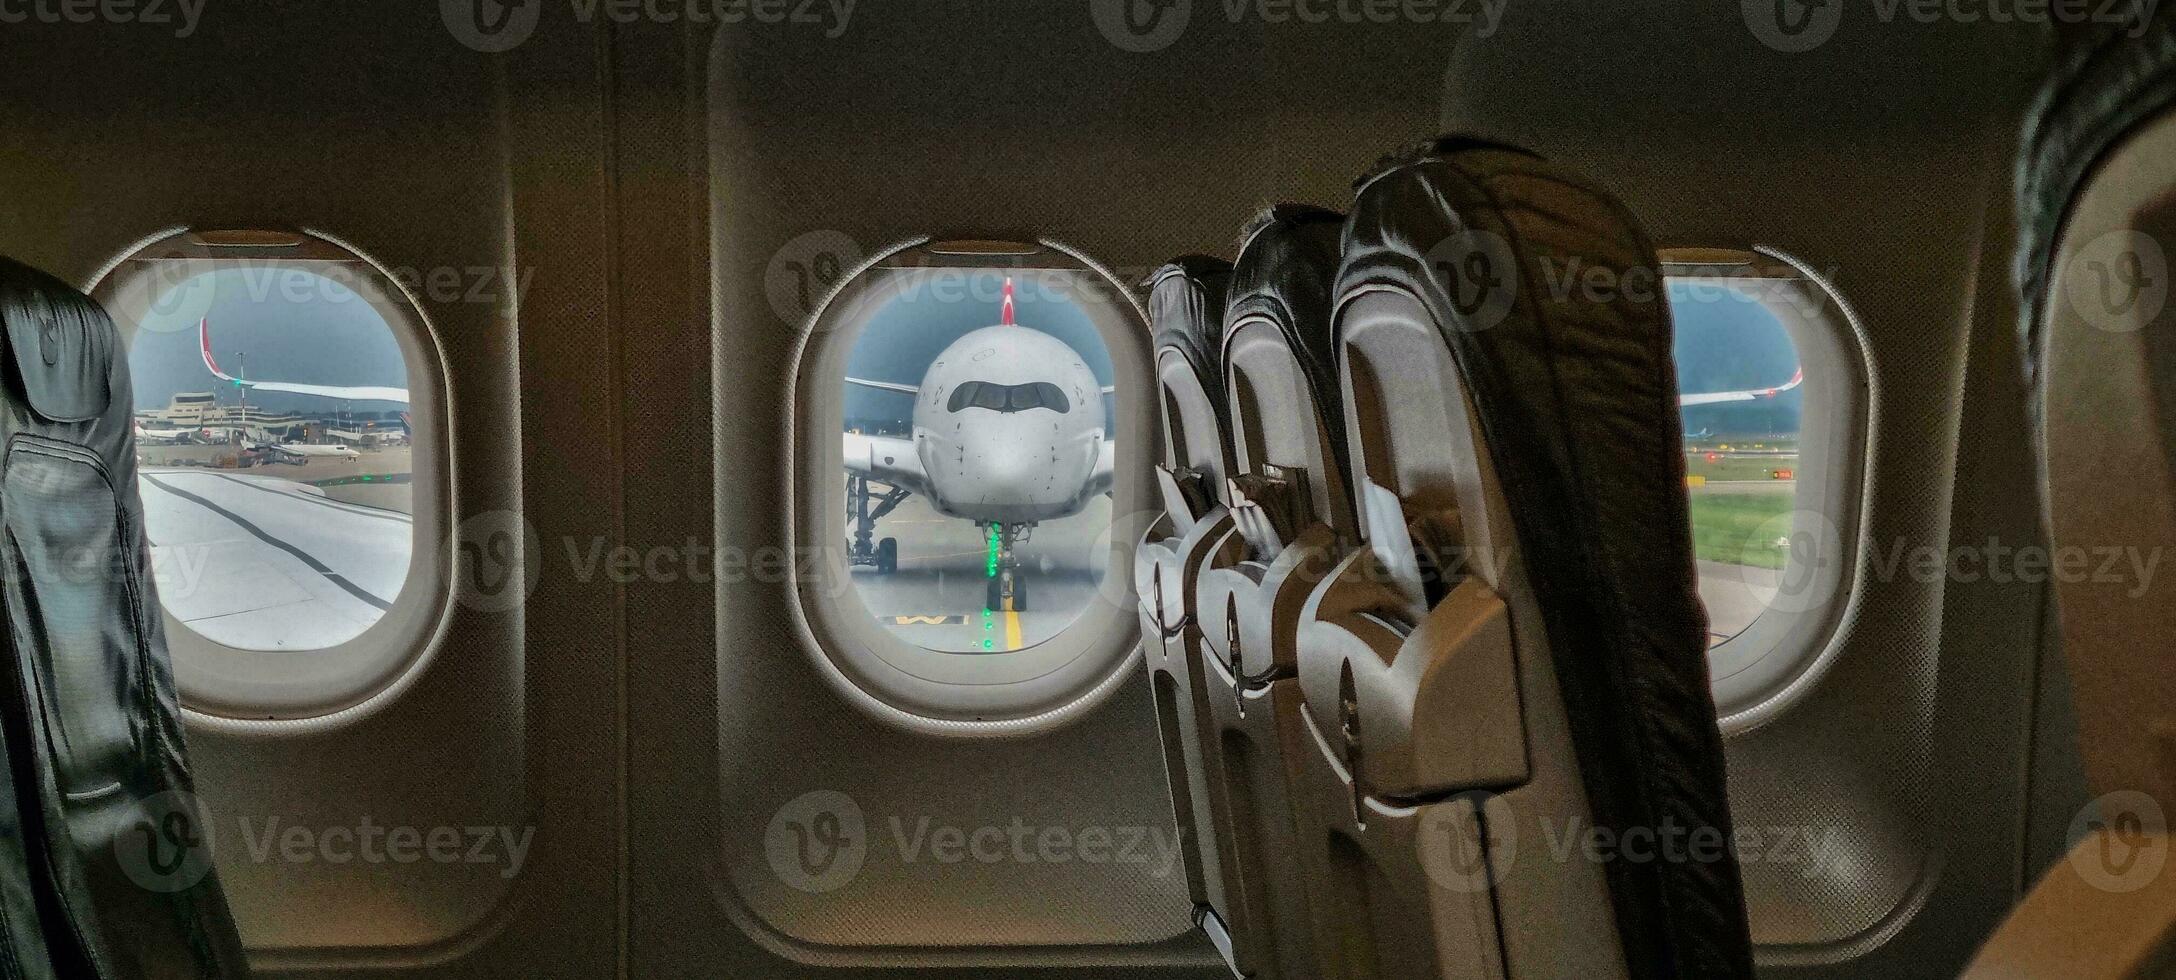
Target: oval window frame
<point>903,684</point>
<point>221,682</point>
<point>1758,673</point>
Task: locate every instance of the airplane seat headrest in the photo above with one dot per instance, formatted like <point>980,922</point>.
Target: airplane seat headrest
<point>2097,212</point>
<point>1574,393</point>
<point>1186,313</point>
<point>1287,261</point>
<point>2105,86</point>
<point>62,344</point>
<point>1186,316</point>
<point>1288,257</point>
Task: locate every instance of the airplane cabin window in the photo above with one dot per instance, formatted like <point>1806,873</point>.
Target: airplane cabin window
<point>1741,397</point>
<point>1776,400</point>
<point>287,472</point>
<point>972,488</point>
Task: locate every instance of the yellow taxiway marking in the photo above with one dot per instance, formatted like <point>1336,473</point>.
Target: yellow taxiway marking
<point>1012,627</point>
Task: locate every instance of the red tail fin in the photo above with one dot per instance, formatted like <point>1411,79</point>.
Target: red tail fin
<point>1005,315</point>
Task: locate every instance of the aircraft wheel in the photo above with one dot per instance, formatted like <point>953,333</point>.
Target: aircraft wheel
<point>993,595</point>
<point>887,556</point>
<point>1019,593</point>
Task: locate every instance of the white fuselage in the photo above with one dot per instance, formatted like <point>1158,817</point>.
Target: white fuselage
<point>1008,425</point>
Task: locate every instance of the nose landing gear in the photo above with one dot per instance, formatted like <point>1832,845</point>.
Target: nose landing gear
<point>1007,588</point>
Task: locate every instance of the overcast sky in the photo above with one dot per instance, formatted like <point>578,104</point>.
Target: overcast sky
<point>293,325</point>
<point>1728,341</point>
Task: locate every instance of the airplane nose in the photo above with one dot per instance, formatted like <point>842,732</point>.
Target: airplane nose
<point>1029,469</point>
<point>1018,472</point>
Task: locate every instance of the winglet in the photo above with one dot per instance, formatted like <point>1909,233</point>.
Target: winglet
<point>1004,315</point>
<point>204,340</point>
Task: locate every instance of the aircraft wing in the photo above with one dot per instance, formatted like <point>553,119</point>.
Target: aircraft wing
<point>903,389</point>
<point>1757,394</point>
<point>263,563</point>
<point>353,392</point>
<point>306,449</point>
<point>886,460</point>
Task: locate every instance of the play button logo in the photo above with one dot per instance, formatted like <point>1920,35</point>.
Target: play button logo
<point>491,26</point>
<point>1141,26</point>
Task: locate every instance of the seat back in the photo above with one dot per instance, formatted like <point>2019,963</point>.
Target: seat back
<point>1186,313</point>
<point>1518,653</point>
<point>1186,300</point>
<point>2097,214</point>
<point>1288,443</point>
<point>1292,515</point>
<point>113,858</point>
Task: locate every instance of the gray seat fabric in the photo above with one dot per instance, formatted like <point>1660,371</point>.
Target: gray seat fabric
<point>107,874</point>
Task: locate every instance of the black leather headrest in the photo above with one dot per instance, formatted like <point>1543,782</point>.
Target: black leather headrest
<point>1396,230</point>
<point>2109,79</point>
<point>1287,263</point>
<point>1186,299</point>
<point>61,344</point>
<point>1576,395</point>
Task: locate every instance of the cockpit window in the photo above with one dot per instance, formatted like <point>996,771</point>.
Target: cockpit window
<point>1008,398</point>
